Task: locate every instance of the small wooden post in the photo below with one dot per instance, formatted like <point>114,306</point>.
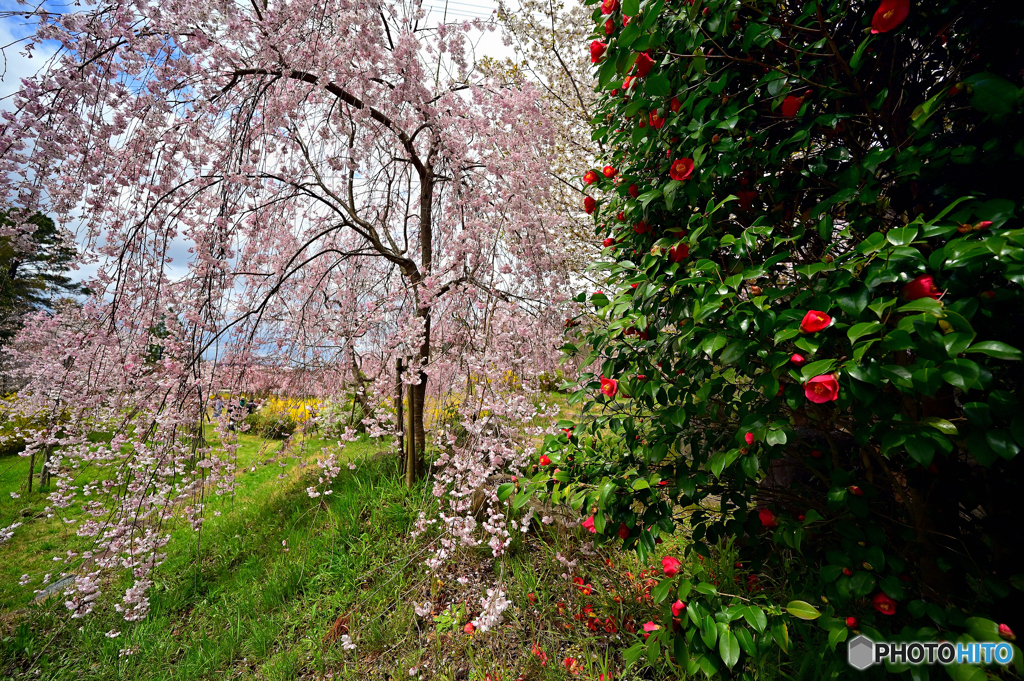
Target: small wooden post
<point>410,460</point>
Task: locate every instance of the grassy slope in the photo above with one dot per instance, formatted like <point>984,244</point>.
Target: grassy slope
<point>235,603</point>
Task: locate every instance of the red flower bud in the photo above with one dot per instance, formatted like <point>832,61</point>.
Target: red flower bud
<point>633,190</point>
<point>847,571</point>
<point>597,49</point>
<point>1006,632</point>
<point>608,242</point>
<point>589,204</point>
<point>767,518</point>
<point>674,104</point>
<point>851,622</point>
<point>609,28</point>
<point>855,491</point>
<point>797,359</point>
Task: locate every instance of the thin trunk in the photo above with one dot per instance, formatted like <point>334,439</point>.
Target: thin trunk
<point>399,412</point>
<point>44,473</point>
<point>31,469</point>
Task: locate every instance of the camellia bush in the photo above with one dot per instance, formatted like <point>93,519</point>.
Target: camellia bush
<point>808,345</point>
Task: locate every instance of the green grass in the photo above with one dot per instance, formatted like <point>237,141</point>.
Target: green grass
<point>235,597</point>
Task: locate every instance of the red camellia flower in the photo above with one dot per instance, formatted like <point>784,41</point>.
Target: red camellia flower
<point>589,204</point>
<point>625,20</point>
<point>544,460</point>
<point>609,6</point>
<point>1006,632</point>
<point>767,518</point>
<point>469,628</point>
<point>644,64</point>
<point>650,627</point>
<point>746,198</point>
<point>681,169</point>
<point>749,438</point>
<point>674,104</point>
<point>851,622</point>
<point>657,122</point>
<point>609,172</point>
<point>679,252</point>
<point>921,287</point>
<point>609,386</point>
<point>670,566</point>
<point>642,227</point>
<point>588,525</point>
<point>626,83</point>
<point>589,177</point>
<point>609,27</point>
<point>790,105</point>
<point>608,242</point>
<point>633,190</point>
<point>597,49</point>
<point>822,389</point>
<point>677,608</point>
<point>815,454</point>
<point>884,604</point>
<point>815,321</point>
<point>620,216</point>
<point>889,15</point>
<point>623,531</point>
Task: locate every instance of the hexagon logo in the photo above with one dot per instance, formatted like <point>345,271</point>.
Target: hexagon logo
<point>861,653</point>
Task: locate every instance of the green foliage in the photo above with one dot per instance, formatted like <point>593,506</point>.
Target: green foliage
<point>868,181</point>
<point>33,271</point>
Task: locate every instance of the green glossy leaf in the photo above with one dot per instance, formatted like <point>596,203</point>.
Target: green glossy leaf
<point>729,649</point>
<point>941,425</point>
<point>803,610</point>
<point>864,329</point>
<point>755,617</point>
<point>997,350</point>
